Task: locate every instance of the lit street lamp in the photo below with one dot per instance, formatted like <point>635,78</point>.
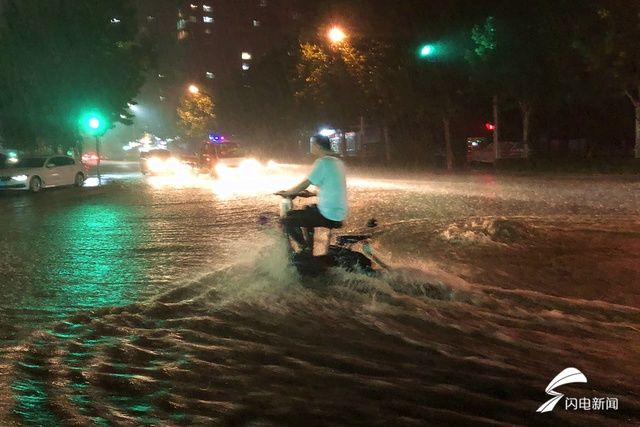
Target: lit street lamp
<point>336,35</point>
<point>194,89</point>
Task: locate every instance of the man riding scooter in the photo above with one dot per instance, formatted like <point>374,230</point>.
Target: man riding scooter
<point>328,175</point>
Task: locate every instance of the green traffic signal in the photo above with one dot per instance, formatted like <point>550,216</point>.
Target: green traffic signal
<point>427,50</point>
<point>93,123</point>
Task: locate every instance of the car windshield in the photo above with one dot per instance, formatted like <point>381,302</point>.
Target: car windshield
<point>31,162</point>
<point>229,150</point>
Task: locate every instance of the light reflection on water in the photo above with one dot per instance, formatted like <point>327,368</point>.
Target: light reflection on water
<point>249,345</point>
<point>79,257</point>
<point>232,182</point>
<point>244,343</point>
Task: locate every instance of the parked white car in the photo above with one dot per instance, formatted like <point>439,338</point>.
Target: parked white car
<point>36,173</point>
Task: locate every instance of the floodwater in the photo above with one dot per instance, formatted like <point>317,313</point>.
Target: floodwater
<point>158,301</point>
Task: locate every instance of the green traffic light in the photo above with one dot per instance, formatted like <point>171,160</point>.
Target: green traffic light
<point>92,123</point>
<point>427,50</point>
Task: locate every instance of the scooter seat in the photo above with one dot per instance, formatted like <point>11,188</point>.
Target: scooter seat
<point>333,225</point>
<point>352,238</point>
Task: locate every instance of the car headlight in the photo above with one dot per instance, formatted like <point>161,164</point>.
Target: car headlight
<point>20,178</point>
<point>156,165</point>
<point>251,165</point>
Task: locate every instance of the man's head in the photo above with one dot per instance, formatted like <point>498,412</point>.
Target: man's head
<point>321,145</point>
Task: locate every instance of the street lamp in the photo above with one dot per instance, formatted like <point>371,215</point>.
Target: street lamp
<point>194,89</point>
<point>336,35</point>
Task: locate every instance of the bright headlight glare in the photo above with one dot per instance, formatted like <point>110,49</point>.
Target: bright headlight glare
<point>156,165</point>
<point>20,177</point>
<point>250,164</point>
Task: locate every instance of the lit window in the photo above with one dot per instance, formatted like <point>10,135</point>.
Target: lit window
<point>151,18</point>
<point>162,98</point>
<point>256,23</point>
<point>246,56</point>
<point>207,8</point>
<point>207,19</point>
<point>115,21</point>
<point>161,76</point>
<point>263,3</point>
<point>193,6</point>
<point>182,35</point>
<point>210,75</point>
<point>207,31</point>
<point>182,24</point>
<point>245,66</point>
<point>193,19</point>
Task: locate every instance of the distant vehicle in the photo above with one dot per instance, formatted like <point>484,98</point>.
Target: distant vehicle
<point>91,158</point>
<point>481,150</point>
<point>8,158</point>
<point>219,158</point>
<point>36,173</point>
<point>163,162</point>
<point>189,160</point>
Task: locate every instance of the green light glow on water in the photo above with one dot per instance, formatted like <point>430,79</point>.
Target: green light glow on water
<point>98,273</point>
<point>31,402</point>
<point>87,262</point>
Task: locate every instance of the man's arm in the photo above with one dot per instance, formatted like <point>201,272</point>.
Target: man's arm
<point>295,190</point>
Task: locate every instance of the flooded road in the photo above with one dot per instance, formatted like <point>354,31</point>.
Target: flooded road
<point>161,301</point>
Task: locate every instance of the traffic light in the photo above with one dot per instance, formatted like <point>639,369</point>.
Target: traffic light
<point>93,123</point>
<point>490,126</point>
<point>427,50</point>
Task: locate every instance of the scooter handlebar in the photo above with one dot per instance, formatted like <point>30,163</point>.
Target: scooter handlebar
<point>303,194</point>
<point>306,194</point>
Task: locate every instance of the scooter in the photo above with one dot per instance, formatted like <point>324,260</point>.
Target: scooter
<point>338,254</point>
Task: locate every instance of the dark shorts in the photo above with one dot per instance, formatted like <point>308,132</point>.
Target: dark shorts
<point>309,217</point>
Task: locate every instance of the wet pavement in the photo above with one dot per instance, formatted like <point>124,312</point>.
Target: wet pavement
<point>163,300</point>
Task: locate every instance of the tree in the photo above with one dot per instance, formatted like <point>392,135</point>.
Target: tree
<point>60,58</point>
<point>196,115</point>
<point>490,70</point>
<point>608,40</point>
<point>333,82</point>
<point>511,58</point>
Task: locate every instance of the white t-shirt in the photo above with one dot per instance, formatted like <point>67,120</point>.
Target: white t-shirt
<point>328,175</point>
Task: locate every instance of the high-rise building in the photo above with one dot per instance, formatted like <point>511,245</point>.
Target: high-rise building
<point>212,40</point>
<point>208,42</point>
<point>222,37</point>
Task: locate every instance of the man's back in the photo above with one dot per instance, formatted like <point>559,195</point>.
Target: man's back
<point>329,176</point>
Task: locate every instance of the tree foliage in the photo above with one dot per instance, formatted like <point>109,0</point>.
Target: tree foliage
<point>607,37</point>
<point>334,83</point>
<point>521,54</point>
<point>196,115</point>
<point>59,58</point>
